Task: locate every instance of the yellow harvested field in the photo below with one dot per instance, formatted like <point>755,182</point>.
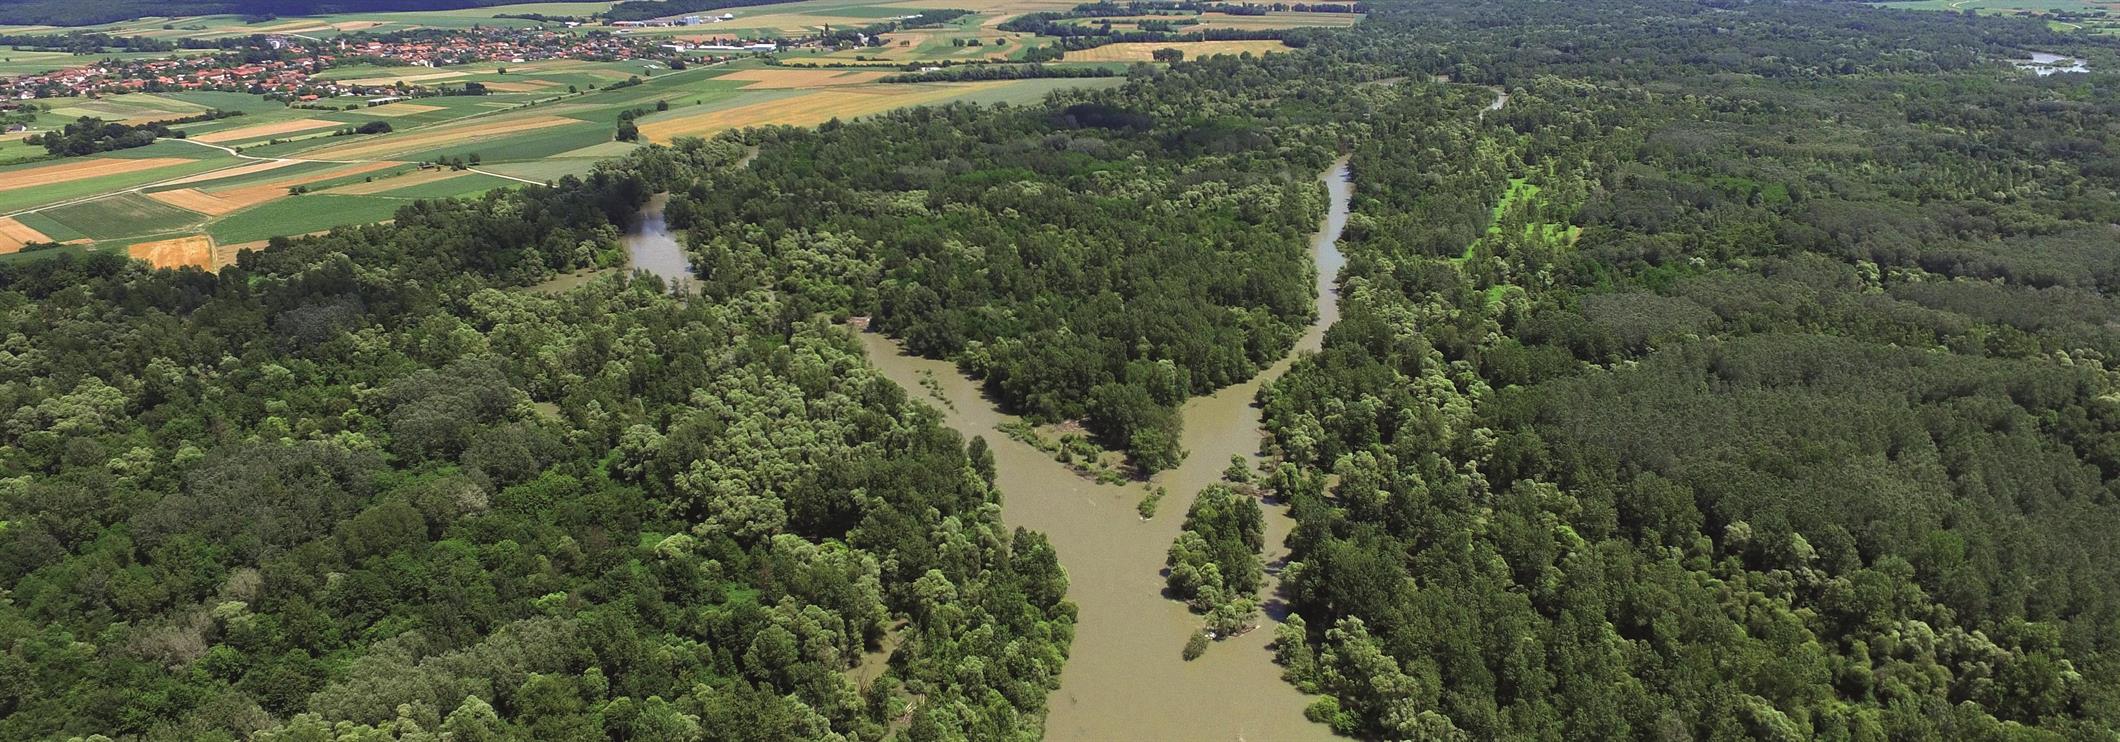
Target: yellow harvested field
<point>1006,7</point>
<point>356,25</point>
<point>252,195</point>
<point>1249,22</point>
<point>783,79</point>
<point>1281,20</point>
<point>416,177</point>
<point>422,77</point>
<point>526,86</point>
<point>809,109</point>
<point>791,22</point>
<point>196,200</point>
<point>14,234</point>
<point>255,167</point>
<point>95,167</point>
<point>218,202</point>
<point>264,130</point>
<point>429,138</point>
<point>399,109</point>
<point>196,250</point>
<point>914,39</point>
<point>1145,51</point>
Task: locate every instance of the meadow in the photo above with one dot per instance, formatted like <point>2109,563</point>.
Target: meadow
<point>2062,15</point>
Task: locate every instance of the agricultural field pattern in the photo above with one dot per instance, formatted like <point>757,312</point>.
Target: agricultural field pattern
<point>282,170</point>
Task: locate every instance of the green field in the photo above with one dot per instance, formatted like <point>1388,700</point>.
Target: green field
<point>301,215</point>
<point>122,216</point>
<point>2062,15</point>
<point>541,120</point>
<point>203,159</point>
<point>21,62</point>
<point>470,184</point>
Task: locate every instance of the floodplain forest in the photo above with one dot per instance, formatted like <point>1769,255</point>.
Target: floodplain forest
<point>1704,369</point>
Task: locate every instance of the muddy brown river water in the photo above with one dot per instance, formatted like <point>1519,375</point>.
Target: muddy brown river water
<point>1124,678</point>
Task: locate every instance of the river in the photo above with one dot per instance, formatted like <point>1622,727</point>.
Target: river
<point>2043,64</point>
<point>1124,678</point>
<point>650,247</point>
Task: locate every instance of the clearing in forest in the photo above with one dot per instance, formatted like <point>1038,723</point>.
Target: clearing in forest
<point>93,167</point>
<point>1144,51</point>
<point>196,250</point>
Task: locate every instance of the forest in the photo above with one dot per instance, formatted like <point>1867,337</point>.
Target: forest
<point>1099,258</point>
<point>1704,370</point>
<point>88,135</point>
<point>1726,385</point>
<point>364,486</point>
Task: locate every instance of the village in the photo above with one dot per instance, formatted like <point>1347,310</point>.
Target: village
<point>286,67</point>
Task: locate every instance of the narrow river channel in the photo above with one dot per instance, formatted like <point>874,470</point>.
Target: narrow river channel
<point>1124,678</point>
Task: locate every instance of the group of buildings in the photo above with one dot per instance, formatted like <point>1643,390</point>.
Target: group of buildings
<point>288,67</point>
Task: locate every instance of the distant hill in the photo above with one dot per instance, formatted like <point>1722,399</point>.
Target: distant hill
<point>79,13</point>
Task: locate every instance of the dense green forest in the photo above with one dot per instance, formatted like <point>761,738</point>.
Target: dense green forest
<point>1745,384</point>
<point>361,485</point>
<point>89,135</point>
<point>1101,257</point>
<point>1741,377</point>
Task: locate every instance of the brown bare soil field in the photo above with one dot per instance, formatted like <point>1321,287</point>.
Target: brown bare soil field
<point>196,250</point>
<point>258,193</point>
<point>416,177</point>
<point>808,109</point>
<point>1144,51</point>
<point>196,200</point>
<point>399,109</point>
<point>389,144</point>
<point>14,234</point>
<point>356,25</point>
<point>264,130</point>
<point>88,168</point>
<point>225,255</point>
<point>785,79</point>
<point>255,167</point>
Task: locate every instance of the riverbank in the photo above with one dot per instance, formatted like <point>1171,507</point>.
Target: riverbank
<point>650,247</point>
<point>1124,677</point>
